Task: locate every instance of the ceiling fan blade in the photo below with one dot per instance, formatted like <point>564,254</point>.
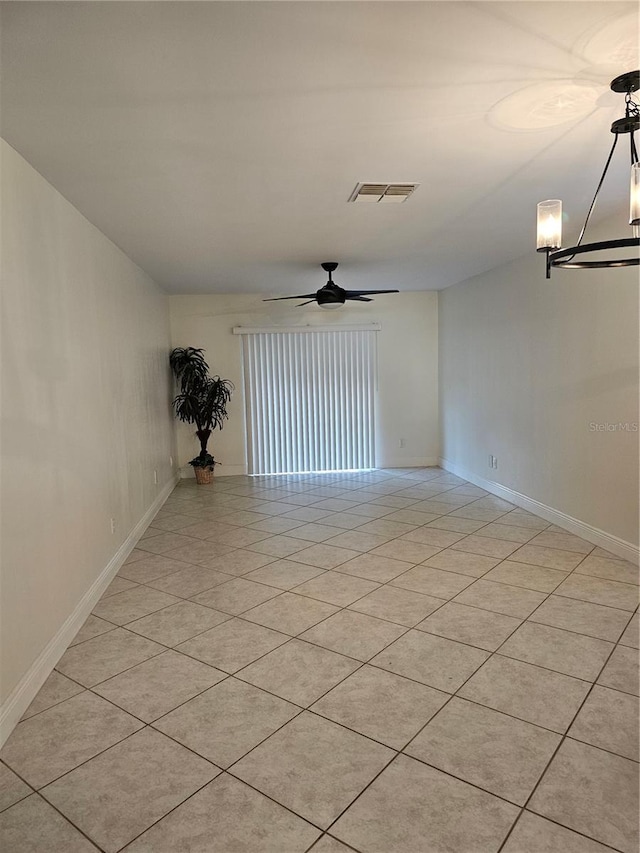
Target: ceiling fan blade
<point>301,296</point>
<point>305,303</point>
<point>367,292</point>
<point>358,298</point>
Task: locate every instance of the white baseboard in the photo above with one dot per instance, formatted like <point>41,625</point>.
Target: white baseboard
<point>407,462</point>
<point>620,547</point>
<point>25,691</point>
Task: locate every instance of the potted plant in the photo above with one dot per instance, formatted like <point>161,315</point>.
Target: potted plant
<point>202,401</point>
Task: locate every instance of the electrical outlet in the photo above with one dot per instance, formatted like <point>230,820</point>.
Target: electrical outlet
<point>401,442</point>
<point>113,525</point>
<point>155,477</point>
<point>490,461</point>
<point>171,462</point>
<point>495,462</point>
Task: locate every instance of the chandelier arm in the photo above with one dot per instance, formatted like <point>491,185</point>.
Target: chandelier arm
<point>595,197</point>
<point>634,151</point>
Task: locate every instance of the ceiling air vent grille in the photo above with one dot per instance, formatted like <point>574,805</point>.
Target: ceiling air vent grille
<point>385,193</point>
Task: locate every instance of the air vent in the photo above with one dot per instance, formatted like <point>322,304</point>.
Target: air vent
<point>386,193</point>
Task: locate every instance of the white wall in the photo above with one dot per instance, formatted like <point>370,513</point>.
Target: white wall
<point>85,405</point>
<point>526,366</point>
<point>407,367</point>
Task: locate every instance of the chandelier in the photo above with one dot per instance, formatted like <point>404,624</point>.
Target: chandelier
<point>549,237</point>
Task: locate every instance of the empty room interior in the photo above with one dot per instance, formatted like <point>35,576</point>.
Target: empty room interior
<point>320,470</point>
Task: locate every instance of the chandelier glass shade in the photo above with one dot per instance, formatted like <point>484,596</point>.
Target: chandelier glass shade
<point>589,255</point>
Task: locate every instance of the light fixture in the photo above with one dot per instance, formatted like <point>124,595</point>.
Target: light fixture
<point>549,238</point>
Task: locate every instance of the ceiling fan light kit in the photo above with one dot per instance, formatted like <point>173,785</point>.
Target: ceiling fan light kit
<point>331,295</point>
<point>549,231</point>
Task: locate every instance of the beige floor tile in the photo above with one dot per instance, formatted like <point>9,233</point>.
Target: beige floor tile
<point>357,540</point>
<point>432,660</point>
<point>279,546</point>
<point>631,635</point>
<point>382,528</point>
<point>242,536</point>
<point>290,613</point>
<point>550,558</point>
<point>56,689</point>
<point>344,520</point>
<point>507,532</point>
<point>12,788</point>
<point>299,672</point>
<point>609,720</point>
<point>233,644</point>
<point>171,523</point>
<point>314,767</point>
<point>200,551</point>
<point>32,826</point>
<point>93,627</point>
<point>456,525</point>
<point>527,576</point>
<point>284,574</point>
<point>410,802</point>
<point>600,552</point>
<point>308,514</point>
<point>353,634</point>
<point>118,584</point>
<point>372,512</point>
<point>397,605</point>
<point>432,536</point>
<point>101,657</point>
<point>557,649</point>
<point>381,705</point>
<point>236,816</point>
<point>190,581</point>
<point>496,752</point>
<point>501,598</point>
<point>413,517</point>
<point>45,746</point>
<point>325,556</point>
<point>165,542</point>
<point>528,692</point>
<point>621,671</point>
<point>485,546</point>
<point>592,792</point>
<point>432,581</point>
<point>159,685</point>
<point>564,541</point>
<point>132,604</point>
<point>311,532</point>
<point>160,774</point>
<point>236,596</point>
<point>276,524</point>
<point>135,555</point>
<point>614,570</point>
<point>178,623</point>
<point>327,844</point>
<point>472,565</point>
<point>477,513</point>
<point>535,833</point>
<point>402,549</point>
<point>150,568</point>
<point>470,625</point>
<point>238,562</point>
<point>336,588</point>
<point>374,567</point>
<point>599,591</point>
<point>213,529</point>
<point>594,620</point>
<point>228,720</point>
<point>522,518</point>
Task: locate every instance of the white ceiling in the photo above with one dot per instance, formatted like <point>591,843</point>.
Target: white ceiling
<point>217,143</point>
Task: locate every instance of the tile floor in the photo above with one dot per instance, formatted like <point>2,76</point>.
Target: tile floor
<point>386,662</point>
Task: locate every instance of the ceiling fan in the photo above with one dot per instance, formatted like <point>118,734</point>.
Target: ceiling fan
<point>332,296</point>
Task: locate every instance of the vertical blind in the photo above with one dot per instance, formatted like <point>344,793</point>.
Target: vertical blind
<point>310,399</point>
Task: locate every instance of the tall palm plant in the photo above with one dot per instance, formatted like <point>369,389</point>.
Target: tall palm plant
<point>202,399</point>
